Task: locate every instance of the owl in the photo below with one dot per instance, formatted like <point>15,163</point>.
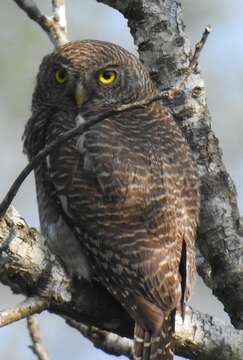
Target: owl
<point>118,204</point>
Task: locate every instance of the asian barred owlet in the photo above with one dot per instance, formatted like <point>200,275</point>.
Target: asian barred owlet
<point>119,204</point>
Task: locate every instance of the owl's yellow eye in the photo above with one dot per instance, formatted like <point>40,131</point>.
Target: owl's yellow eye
<point>107,77</point>
<point>61,76</point>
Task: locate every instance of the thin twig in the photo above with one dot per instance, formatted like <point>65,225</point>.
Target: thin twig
<point>26,308</point>
<point>198,48</point>
<point>54,26</point>
<point>85,126</point>
<point>35,334</point>
<point>170,94</point>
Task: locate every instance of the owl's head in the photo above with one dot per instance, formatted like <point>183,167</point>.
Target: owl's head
<point>88,75</point>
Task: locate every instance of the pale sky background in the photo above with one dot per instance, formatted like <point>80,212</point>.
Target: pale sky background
<point>23,45</point>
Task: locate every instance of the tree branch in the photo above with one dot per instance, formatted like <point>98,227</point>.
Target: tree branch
<point>26,308</point>
<point>59,11</point>
<point>29,267</point>
<point>195,58</point>
<point>202,337</point>
<point>54,26</point>
<point>108,342</point>
<point>199,337</point>
<point>198,48</point>
<point>34,331</point>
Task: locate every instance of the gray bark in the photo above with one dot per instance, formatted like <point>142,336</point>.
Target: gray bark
<point>158,31</point>
<point>28,266</point>
<point>198,337</point>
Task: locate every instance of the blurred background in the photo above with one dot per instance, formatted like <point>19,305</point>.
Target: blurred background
<point>23,45</point>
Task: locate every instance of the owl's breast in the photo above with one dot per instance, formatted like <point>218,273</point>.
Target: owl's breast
<point>121,186</point>
<point>105,160</point>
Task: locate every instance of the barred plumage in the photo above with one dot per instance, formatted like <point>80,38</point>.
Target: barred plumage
<point>120,203</point>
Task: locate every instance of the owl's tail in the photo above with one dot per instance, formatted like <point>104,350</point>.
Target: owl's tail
<point>155,347</point>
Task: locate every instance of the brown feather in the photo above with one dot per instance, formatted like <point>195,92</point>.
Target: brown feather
<point>125,195</point>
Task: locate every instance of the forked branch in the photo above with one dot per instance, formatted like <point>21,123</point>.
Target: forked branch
<point>55,26</point>
<point>26,308</point>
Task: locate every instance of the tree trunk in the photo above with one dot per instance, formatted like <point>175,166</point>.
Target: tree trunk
<point>28,266</point>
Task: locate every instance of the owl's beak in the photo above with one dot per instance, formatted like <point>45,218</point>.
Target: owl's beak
<point>80,95</point>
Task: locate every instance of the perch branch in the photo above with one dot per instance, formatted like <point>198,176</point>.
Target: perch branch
<point>28,267</point>
<point>199,337</point>
<point>26,308</point>
<point>202,337</point>
<point>106,341</point>
<point>54,26</point>
<point>35,335</point>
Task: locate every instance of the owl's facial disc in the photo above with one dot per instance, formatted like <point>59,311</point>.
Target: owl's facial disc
<point>90,75</point>
<point>80,95</point>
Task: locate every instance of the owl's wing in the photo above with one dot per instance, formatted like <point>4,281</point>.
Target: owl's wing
<point>121,190</point>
